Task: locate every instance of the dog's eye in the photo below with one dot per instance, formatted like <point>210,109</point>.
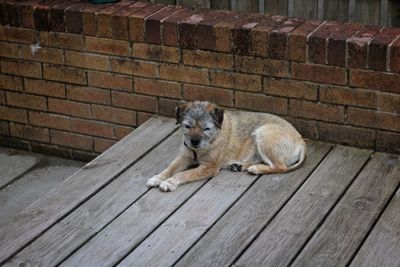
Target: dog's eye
<point>207,129</point>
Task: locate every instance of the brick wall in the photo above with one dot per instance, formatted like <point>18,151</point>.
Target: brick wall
<point>77,77</point>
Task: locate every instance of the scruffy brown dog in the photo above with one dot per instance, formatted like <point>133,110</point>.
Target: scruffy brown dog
<point>242,141</point>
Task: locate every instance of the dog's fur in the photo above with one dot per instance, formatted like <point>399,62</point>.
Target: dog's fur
<point>259,143</point>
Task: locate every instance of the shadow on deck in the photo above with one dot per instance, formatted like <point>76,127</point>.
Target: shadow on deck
<point>342,207</point>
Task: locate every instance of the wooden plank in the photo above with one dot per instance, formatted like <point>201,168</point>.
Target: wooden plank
<point>45,212</point>
<point>175,236</point>
<point>72,232</point>
<point>384,15</point>
<point>221,4</point>
<point>336,10</point>
<point>276,7</point>
<point>382,247</point>
<point>306,9</point>
<point>249,6</point>
<point>233,232</point>
<point>195,3</point>
<point>20,164</point>
<point>166,2</point>
<point>339,237</point>
<point>394,13</point>
<point>289,230</point>
<point>367,11</point>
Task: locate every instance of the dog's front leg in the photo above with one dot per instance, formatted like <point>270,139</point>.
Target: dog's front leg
<point>179,164</point>
<point>199,173</point>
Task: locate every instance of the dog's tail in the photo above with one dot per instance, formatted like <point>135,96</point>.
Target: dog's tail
<point>302,157</point>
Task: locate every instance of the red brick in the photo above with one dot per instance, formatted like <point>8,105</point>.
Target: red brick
<point>107,46</point>
<point>187,29</point>
<point>64,74</point>
<point>4,129</point>
<point>37,53</point>
<point>73,17</point>
<point>395,56</point>
<point>260,34</point>
<point>110,81</point>
<point>388,82</point>
<point>122,131</point>
<point>157,88</point>
<point>90,127</point>
<point>13,114</point>
<point>298,40</point>
<point>183,74</point>
<point>205,34</point>
<point>259,102</point>
<point>208,59</point>
<point>101,145</point>
<point>378,48</point>
<point>62,40</point>
<point>88,94</point>
<point>388,141</point>
<point>240,81</point>
<point>155,52</point>
<point>319,73</point>
<point>22,68</point>
<point>389,102</point>
<point>134,102</point>
<point>317,41</point>
<point>223,31</point>
<point>104,18</point>
<point>87,60</point>
<point>290,88</point>
<point>357,46</point>
<point>218,96</point>
<point>49,120</point>
<point>348,96</point>
<point>120,20</point>
<point>312,110</point>
<point>307,129</point>
<point>10,9</point>
<point>373,119</point>
<point>241,33</point>
<point>153,23</point>
<point>18,35</point>
<point>29,132</point>
<point>41,14</point>
<point>134,67</point>
<point>26,13</point>
<point>10,83</point>
<point>142,117</point>
<point>42,87</point>
<point>57,15</point>
<point>26,101</point>
<point>116,115</point>
<point>9,50</point>
<point>69,107</point>
<point>88,16</point>
<point>346,135</point>
<point>72,140</point>
<point>278,46</point>
<point>170,29</point>
<point>137,22</point>
<point>166,107</point>
<point>264,66</point>
<point>337,43</point>
<point>2,97</point>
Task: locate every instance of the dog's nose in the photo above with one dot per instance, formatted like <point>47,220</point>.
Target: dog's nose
<point>195,141</point>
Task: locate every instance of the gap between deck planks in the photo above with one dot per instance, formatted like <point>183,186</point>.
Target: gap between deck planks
<point>55,205</point>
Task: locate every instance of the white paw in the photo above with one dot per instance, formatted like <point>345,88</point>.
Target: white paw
<point>154,181</point>
<point>167,186</point>
<point>252,169</point>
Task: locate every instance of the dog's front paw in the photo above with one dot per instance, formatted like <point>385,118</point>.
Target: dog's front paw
<point>236,167</point>
<point>253,170</point>
<point>167,186</point>
<point>154,181</point>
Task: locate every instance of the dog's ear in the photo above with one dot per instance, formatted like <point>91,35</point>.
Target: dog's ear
<point>218,116</point>
<point>179,111</point>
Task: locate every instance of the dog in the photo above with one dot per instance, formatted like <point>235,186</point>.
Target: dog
<point>213,138</point>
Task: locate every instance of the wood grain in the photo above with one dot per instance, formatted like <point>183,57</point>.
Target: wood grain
<point>290,229</point>
<point>168,242</point>
<point>233,232</point>
<point>56,244</point>
<point>45,212</point>
<point>345,228</point>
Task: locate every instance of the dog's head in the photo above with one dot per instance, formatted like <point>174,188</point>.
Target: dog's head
<point>200,122</point>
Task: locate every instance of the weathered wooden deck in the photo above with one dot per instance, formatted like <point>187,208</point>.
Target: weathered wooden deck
<point>341,208</point>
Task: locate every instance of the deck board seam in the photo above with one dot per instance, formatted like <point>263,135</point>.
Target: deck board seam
<point>280,208</point>
<point>87,198</point>
<point>388,201</point>
<point>330,210</point>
